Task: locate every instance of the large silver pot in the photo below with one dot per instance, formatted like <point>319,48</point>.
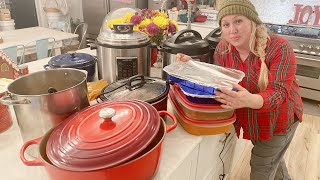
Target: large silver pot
<point>122,53</point>
<point>187,42</point>
<point>44,99</point>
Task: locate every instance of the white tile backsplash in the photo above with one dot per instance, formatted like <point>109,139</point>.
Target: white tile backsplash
<point>279,11</point>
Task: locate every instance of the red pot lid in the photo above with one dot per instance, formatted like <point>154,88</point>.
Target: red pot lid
<point>103,135</point>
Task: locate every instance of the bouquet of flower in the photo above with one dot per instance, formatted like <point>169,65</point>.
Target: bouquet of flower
<point>154,23</point>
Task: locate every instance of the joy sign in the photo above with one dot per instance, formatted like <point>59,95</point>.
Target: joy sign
<point>304,15</point>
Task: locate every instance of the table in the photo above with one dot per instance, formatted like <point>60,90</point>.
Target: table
<point>26,35</point>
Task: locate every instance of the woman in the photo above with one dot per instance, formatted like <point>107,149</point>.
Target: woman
<point>267,102</point>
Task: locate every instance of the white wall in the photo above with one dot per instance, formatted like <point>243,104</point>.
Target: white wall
<point>76,9</point>
<point>270,11</point>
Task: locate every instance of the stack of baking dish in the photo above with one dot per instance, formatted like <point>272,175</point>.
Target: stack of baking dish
<point>200,119</point>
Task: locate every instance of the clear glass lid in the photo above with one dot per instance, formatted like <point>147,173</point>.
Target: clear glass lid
<point>118,29</point>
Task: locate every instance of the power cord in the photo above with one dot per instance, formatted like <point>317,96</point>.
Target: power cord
<point>221,176</point>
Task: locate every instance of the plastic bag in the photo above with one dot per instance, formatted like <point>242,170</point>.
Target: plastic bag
<point>94,89</point>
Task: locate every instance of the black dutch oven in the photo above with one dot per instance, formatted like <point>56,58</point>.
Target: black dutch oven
<point>80,61</point>
<point>149,89</point>
<point>213,38</point>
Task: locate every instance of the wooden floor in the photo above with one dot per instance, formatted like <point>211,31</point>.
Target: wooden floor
<point>302,156</point>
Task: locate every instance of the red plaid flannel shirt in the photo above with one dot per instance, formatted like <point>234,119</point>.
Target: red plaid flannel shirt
<point>281,98</point>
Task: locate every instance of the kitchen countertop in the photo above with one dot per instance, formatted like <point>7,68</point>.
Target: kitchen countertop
<point>177,145</point>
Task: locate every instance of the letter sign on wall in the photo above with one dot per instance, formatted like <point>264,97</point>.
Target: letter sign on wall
<point>303,15</point>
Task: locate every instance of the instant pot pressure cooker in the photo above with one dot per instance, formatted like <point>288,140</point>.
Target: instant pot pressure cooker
<point>122,52</point>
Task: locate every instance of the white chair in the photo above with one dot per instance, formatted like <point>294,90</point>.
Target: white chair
<point>15,53</point>
<point>44,47</point>
<point>82,30</point>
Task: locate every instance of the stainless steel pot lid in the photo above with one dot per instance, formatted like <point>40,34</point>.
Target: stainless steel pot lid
<point>122,36</point>
<point>72,60</point>
<point>137,87</point>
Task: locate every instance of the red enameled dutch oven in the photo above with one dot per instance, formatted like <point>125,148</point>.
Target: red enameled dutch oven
<point>110,140</point>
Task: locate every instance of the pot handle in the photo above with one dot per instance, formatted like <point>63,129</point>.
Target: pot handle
<point>6,100</point>
<point>163,48</point>
<point>172,126</point>
<point>215,33</point>
<point>124,28</point>
<point>37,161</point>
<point>46,67</point>
<point>93,46</point>
<point>181,33</point>
<point>133,78</point>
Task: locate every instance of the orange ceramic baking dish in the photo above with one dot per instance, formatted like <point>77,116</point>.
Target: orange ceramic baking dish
<point>203,128</point>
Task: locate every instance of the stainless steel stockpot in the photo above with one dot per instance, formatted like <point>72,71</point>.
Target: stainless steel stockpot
<point>43,99</point>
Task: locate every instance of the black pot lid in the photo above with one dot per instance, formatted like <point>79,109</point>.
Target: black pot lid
<point>72,60</point>
<point>137,87</point>
<point>188,42</point>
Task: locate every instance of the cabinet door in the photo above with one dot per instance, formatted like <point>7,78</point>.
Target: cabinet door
<point>227,156</point>
<point>187,169</point>
<point>208,155</point>
<point>210,148</point>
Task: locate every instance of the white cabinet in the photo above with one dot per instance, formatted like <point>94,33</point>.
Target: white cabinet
<point>187,169</point>
<point>209,164</point>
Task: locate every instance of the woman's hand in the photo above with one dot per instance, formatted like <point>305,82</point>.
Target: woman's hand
<point>182,57</point>
<point>239,99</point>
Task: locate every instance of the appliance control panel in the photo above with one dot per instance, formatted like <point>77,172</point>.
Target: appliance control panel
<point>126,67</point>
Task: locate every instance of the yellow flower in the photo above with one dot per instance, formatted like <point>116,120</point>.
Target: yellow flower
<point>161,22</point>
<point>145,23</point>
<point>128,17</point>
<point>136,28</point>
<point>114,21</point>
<point>162,14</point>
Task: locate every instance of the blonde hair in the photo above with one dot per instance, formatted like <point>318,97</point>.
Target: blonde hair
<point>257,44</point>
